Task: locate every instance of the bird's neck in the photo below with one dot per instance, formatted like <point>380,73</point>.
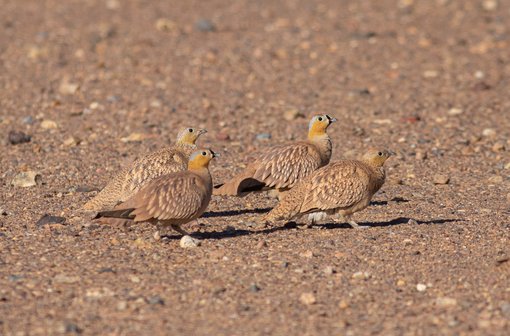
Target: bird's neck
<point>186,147</point>
<point>379,174</point>
<point>323,144</point>
<point>203,173</point>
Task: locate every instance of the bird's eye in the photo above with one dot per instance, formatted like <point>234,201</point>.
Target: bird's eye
<point>204,153</point>
<point>320,118</point>
<point>190,130</point>
<point>380,153</point>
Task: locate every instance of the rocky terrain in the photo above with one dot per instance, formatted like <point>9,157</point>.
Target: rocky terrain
<point>87,86</point>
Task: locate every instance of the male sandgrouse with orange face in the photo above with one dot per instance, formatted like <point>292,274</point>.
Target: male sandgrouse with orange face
<point>281,167</point>
<point>340,188</point>
<point>173,199</point>
<point>164,161</point>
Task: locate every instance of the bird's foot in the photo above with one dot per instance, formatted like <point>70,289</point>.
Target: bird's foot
<point>355,225</point>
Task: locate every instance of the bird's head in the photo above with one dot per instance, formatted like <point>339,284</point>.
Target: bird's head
<point>201,158</point>
<point>189,135</point>
<point>376,156</point>
<point>318,125</point>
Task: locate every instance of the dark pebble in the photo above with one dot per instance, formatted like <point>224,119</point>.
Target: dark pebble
<point>73,328</point>
<point>156,300</point>
<point>16,137</point>
<point>205,25</point>
<point>254,288</point>
<point>86,189</point>
<point>48,219</point>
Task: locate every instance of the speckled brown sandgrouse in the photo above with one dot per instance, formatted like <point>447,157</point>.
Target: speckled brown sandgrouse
<point>281,167</point>
<point>145,169</point>
<point>172,199</point>
<point>340,188</point>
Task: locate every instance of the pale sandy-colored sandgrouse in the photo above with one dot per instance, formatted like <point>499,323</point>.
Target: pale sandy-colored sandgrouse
<point>340,188</point>
<point>131,179</point>
<point>281,167</point>
<point>173,199</point>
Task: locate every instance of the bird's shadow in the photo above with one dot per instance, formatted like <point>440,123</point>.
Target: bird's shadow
<point>232,233</point>
<point>229,213</point>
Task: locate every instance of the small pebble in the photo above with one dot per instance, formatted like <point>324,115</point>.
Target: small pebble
<point>441,179</point>
<point>446,302</point>
<point>205,25</point>
<point>490,5</point>
<point>153,300</point>
<point>307,254</point>
<point>189,242</point>
<point>254,288</point>
<point>407,241</point>
<point>421,287</point>
<point>163,24</point>
<point>454,111</point>
<point>222,136</point>
<point>498,147</point>
<point>308,299</point>
<point>361,275</point>
<point>48,219</point>
<point>65,279</point>
<point>292,114</point>
<point>48,124</point>
<point>489,132</point>
<point>17,137</point>
<point>28,120</point>
<point>261,244</point>
<point>27,179</point>
<point>412,222</point>
<point>263,136</point>
<point>328,270</point>
<point>420,156</point>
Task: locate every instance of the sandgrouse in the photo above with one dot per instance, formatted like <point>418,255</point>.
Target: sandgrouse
<point>172,199</point>
<point>164,161</point>
<point>340,188</point>
<point>281,167</point>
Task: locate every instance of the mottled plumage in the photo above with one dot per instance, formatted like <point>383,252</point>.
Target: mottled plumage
<point>173,199</point>
<point>281,167</point>
<point>145,169</point>
<point>343,188</point>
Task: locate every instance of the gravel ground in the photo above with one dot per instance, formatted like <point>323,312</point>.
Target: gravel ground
<point>94,84</point>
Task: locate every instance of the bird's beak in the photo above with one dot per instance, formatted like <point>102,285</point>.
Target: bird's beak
<point>331,119</point>
<point>214,155</point>
<point>391,152</point>
<point>202,131</point>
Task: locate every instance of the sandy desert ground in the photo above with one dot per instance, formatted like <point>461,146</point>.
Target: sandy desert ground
<point>95,84</point>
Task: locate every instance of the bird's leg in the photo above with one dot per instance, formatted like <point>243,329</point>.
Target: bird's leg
<point>348,219</point>
<point>157,234</point>
<point>177,228</point>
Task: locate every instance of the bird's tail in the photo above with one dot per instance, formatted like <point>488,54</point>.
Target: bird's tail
<point>106,198</point>
<point>240,185</point>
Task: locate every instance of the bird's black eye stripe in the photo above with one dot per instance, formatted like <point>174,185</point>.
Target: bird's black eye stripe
<point>320,118</point>
<point>204,153</point>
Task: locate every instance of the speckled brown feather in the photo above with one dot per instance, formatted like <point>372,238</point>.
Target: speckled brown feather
<point>172,199</point>
<point>280,167</point>
<point>175,199</point>
<point>130,180</point>
<point>342,187</point>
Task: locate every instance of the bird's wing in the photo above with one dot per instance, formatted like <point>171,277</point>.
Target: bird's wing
<point>339,185</point>
<point>282,166</point>
<point>147,168</point>
<point>174,196</point>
